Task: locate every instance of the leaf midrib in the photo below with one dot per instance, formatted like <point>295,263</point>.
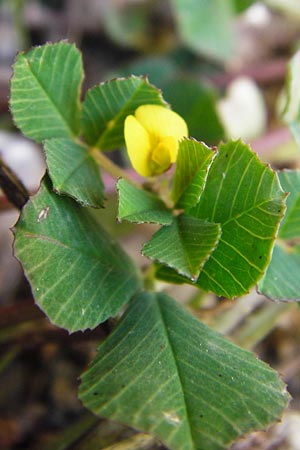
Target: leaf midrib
<point>86,158</point>
<point>51,100</point>
<point>120,113</point>
<point>168,337</point>
<point>184,189</point>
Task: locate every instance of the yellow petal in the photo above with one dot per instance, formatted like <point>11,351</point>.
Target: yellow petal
<point>138,146</point>
<point>172,145</point>
<point>161,122</point>
<point>160,158</point>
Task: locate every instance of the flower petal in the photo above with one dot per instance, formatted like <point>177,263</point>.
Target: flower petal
<point>161,122</point>
<point>138,146</point>
<point>160,158</point>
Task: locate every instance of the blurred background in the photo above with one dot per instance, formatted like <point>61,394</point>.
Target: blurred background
<point>221,65</point>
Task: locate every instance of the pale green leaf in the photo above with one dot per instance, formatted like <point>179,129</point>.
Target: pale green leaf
<point>185,245</point>
<point>164,372</point>
<point>74,172</point>
<point>45,91</point>
<point>138,205</point>
<point>106,106</point>
<point>244,196</point>
<point>281,280</point>
<point>192,165</point>
<point>206,26</point>
<point>78,273</point>
<point>290,226</point>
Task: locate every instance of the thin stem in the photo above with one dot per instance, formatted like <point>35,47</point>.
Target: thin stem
<point>149,278</point>
<point>110,167</point>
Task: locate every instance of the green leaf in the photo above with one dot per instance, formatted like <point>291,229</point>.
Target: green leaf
<point>193,162</point>
<point>185,245</point>
<point>106,106</point>
<point>74,172</point>
<point>78,273</point>
<point>163,371</point>
<point>244,196</point>
<point>170,275</point>
<point>290,226</point>
<point>206,26</point>
<point>138,205</point>
<point>45,91</point>
<point>281,280</point>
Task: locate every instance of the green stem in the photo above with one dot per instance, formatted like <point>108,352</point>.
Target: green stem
<point>149,278</point>
<point>110,167</point>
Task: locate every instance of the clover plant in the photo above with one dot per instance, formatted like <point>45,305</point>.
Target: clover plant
<point>220,222</point>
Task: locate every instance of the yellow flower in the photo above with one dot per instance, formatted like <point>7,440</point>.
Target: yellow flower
<point>152,138</point>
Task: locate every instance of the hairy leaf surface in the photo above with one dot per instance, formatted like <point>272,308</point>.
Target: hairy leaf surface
<point>192,165</point>
<point>45,91</point>
<point>78,273</point>
<point>140,206</point>
<point>185,245</point>
<point>244,196</point>
<point>74,172</point>
<point>107,105</point>
<point>163,371</point>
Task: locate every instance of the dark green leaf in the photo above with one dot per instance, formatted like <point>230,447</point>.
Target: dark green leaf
<point>79,275</point>
<point>138,205</point>
<point>45,91</point>
<point>164,372</point>
<point>206,26</point>
<point>243,195</point>
<point>185,245</point>
<point>74,172</point>
<point>107,105</point>
<point>193,162</point>
<point>169,275</point>
<point>290,182</point>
